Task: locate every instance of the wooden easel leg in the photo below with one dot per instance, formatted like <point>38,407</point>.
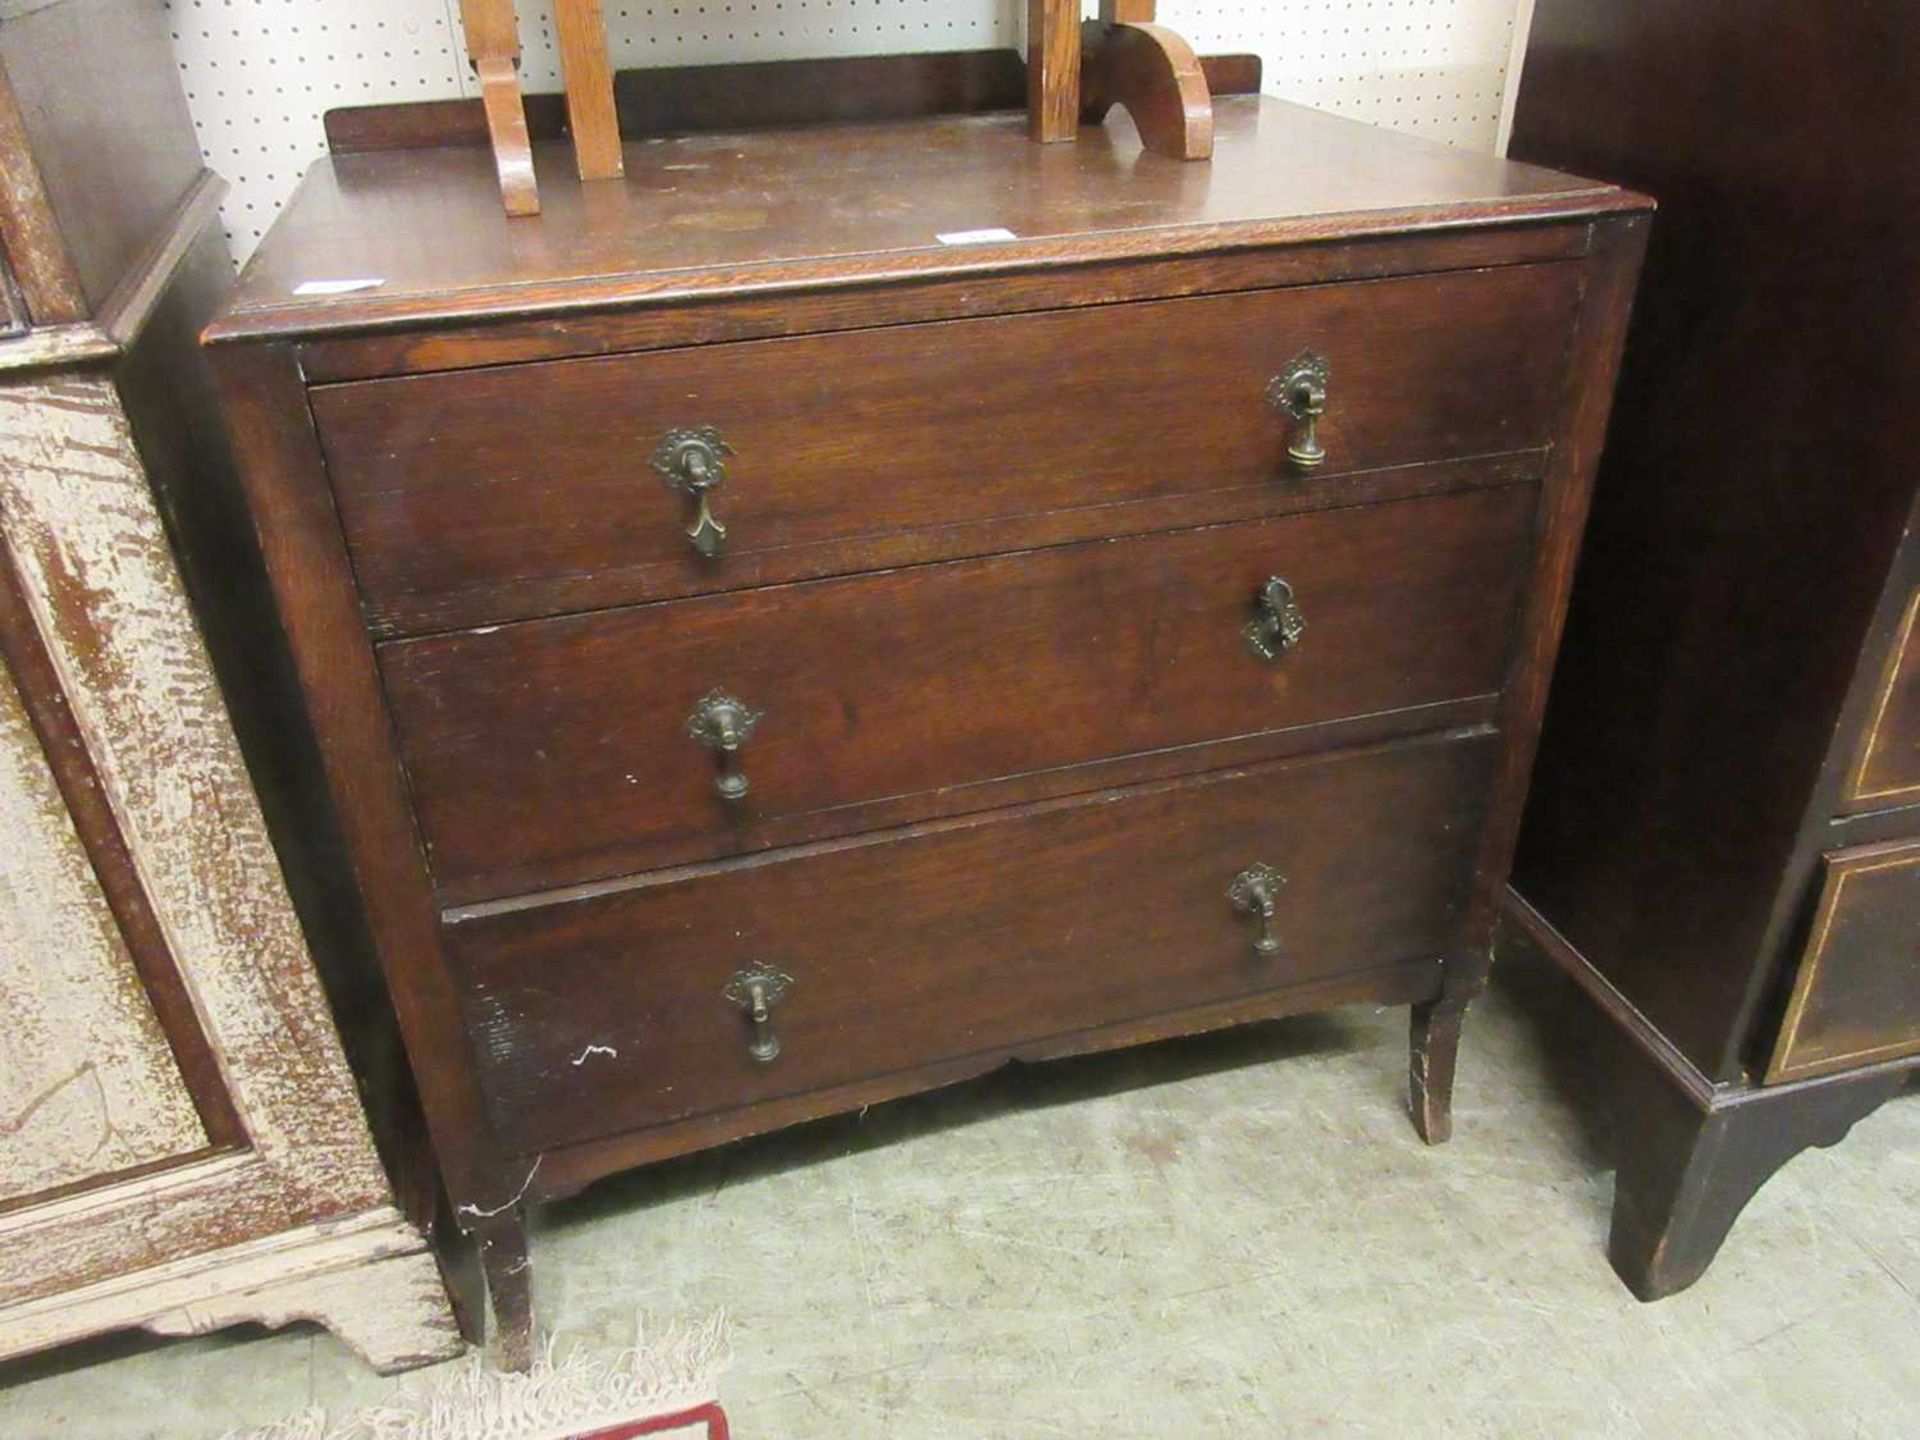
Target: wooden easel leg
<point>589,82</point>
<point>1053,69</point>
<point>507,124</point>
<point>493,44</point>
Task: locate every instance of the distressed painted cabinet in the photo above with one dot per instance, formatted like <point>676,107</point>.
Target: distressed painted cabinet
<point>181,1142</point>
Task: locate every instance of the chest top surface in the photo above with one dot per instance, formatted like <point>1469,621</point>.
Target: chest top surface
<point>770,210</point>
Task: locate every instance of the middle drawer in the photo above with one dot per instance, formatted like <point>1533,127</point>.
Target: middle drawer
<point>558,751</point>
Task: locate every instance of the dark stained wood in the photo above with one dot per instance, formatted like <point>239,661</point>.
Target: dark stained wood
<point>44,699</point>
<point>1038,786</point>
<point>1664,863</point>
<point>455,515</point>
<point>1521,927</point>
<point>432,124</point>
<point>550,753</point>
<point>568,1169</point>
<point>963,763</point>
<point>970,936</point>
<point>1152,73</point>
<point>752,96</point>
<point>1689,1154</point>
<point>748,317</point>
<point>747,215</point>
<point>1701,737</point>
<point>1856,994</point>
<point>756,95</point>
<point>503,1253</point>
<point>89,88</point>
<point>300,541</point>
<point>1053,70</point>
<point>1687,1173</point>
<point>1232,74</point>
<point>1564,503</point>
<point>1888,770</point>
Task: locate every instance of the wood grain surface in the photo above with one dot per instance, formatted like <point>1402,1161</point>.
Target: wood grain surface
<point>711,214</point>
<point>606,1014</point>
<point>549,753</point>
<point>464,505</point>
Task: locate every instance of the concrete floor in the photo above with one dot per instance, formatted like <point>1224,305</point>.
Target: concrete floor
<point>1237,1235</point>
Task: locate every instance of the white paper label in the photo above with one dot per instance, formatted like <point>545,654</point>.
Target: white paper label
<point>975,237</point>
<point>335,287</point>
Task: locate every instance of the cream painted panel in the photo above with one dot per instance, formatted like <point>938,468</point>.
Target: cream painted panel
<point>88,1085</point>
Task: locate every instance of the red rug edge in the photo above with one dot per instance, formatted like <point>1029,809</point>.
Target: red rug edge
<point>711,1415</point>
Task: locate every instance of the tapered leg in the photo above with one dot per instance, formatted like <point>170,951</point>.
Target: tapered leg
<point>509,1267</point>
<point>1433,1053</point>
<point>1686,1172</point>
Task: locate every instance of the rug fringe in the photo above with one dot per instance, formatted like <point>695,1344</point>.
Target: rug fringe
<point>674,1368</point>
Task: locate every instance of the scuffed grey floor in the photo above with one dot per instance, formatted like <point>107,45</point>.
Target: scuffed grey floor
<point>1237,1235</point>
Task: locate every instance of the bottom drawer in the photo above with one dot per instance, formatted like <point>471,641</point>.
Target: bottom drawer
<point>1856,995</point>
<point>608,1012</point>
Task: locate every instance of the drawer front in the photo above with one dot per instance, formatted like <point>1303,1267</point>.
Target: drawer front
<point>558,751</point>
<point>1888,771</point>
<point>608,1014</point>
<point>499,494</point>
<point>1856,995</point>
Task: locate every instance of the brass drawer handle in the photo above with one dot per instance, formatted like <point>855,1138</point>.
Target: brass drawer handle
<point>723,724</point>
<point>1278,623</point>
<point>1253,892</point>
<point>1300,393</point>
<point>756,990</point>
<point>695,463</point>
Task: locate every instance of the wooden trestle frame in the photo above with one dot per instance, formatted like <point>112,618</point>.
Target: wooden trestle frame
<point>1075,74</point>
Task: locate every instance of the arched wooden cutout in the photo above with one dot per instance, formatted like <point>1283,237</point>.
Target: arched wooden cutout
<point>1154,75</point>
<point>507,127</point>
<point>493,44</point>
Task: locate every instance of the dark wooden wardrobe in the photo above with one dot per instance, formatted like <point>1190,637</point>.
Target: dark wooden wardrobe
<point>1723,840</point>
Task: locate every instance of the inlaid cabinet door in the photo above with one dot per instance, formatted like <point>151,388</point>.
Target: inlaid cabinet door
<point>1887,771</point>
<point>1856,994</point>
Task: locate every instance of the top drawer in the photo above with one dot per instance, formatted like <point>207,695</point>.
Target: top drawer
<point>486,495</point>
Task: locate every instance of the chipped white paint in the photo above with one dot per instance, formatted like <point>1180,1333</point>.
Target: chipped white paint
<point>592,1050</point>
<point>234,1235</point>
<point>368,1279</point>
<point>87,1083</point>
<point>391,1310</point>
<point>87,540</point>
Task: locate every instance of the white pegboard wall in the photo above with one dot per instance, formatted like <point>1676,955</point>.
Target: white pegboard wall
<point>259,74</point>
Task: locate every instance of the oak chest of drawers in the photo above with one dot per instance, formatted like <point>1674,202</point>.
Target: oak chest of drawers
<point>769,659</point>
